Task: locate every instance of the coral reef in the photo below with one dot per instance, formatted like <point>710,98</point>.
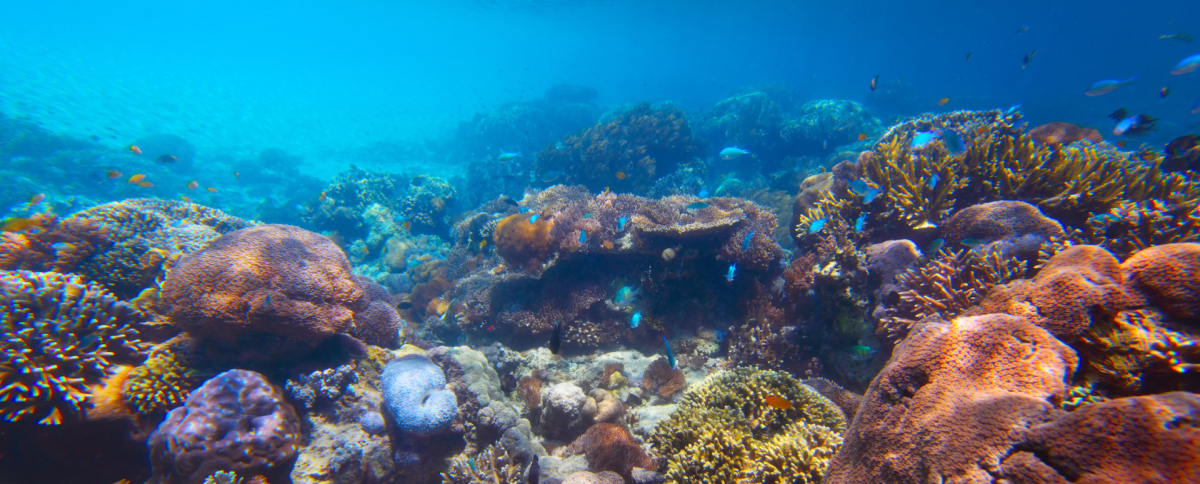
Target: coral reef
<point>736,425</point>
<point>828,122</point>
<point>322,387</point>
<point>415,400</point>
<point>969,382</point>
<point>63,335</point>
<point>274,280</point>
<point>627,154</point>
<point>237,421</point>
<point>566,411</point>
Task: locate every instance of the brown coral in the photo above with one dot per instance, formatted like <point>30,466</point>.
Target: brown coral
<point>523,239</point>
<point>662,379</point>
<point>1016,228</point>
<point>945,407</point>
<point>270,279</point>
<point>1168,275</point>
<point>1154,439</point>
<point>610,447</point>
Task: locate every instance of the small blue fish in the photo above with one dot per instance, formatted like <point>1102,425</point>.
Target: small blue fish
<point>1108,85</point>
<point>933,181</point>
<point>582,236</point>
<point>635,320</point>
<point>621,223</point>
<point>471,462</point>
<point>508,156</point>
<point>859,187</point>
<point>954,142</point>
<point>732,271</point>
<point>732,152</point>
<point>922,138</point>
<point>523,209</point>
<point>1187,65</point>
<point>697,206</point>
<point>625,296</point>
<point>267,301</point>
<point>972,243</point>
<point>935,246</point>
<point>872,194</point>
<point>670,354</point>
<point>533,218</point>
<point>860,223</point>
<point>816,225</point>
<point>703,193</point>
<point>746,241</point>
<point>588,215</point>
<point>1105,217</point>
<point>1013,109</point>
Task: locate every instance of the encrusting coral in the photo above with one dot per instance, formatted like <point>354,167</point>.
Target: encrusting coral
<point>743,424</point>
<point>62,336</point>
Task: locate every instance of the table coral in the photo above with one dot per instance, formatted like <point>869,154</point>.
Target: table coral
<point>63,335</point>
<point>270,279</point>
<point>628,153</point>
<point>945,407</point>
<point>725,424</point>
<point>237,421</point>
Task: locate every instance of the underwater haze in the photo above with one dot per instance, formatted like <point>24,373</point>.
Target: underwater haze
<point>599,242</point>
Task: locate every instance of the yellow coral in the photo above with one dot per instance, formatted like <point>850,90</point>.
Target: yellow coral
<point>163,382</point>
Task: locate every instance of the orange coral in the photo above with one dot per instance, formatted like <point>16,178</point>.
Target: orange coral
<point>521,241</point>
<point>1060,133</point>
<point>951,399</point>
<point>273,279</point>
<point>610,447</point>
<point>1167,274</point>
<point>661,377</point>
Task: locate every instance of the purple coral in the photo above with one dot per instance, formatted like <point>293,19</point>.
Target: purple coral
<point>237,421</point>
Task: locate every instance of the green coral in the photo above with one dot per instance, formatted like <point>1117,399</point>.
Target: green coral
<point>725,430</point>
<point>62,336</point>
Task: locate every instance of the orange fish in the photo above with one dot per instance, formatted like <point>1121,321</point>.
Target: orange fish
<point>192,185</point>
<point>321,198</point>
<point>211,189</point>
<point>779,402</point>
<point>186,199</point>
<point>237,175</point>
<point>943,101</point>
<point>145,184</point>
<point>136,178</point>
<point>36,199</point>
<point>113,174</point>
<point>135,150</point>
<point>620,175</point>
<point>862,136</point>
<point>407,225</point>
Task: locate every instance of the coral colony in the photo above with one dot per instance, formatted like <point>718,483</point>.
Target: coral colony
<point>953,297</point>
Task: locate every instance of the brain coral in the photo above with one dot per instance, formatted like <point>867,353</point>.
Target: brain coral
<point>946,406</point>
<point>1016,228</point>
<point>725,429</point>
<point>273,279</point>
<point>1167,274</point>
<point>415,398</point>
<point>237,421</point>
<point>61,336</point>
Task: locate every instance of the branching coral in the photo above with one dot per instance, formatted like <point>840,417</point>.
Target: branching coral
<point>1137,345</point>
<point>952,282</point>
<point>1131,226</point>
<point>734,424</point>
<point>493,465</point>
<point>628,154</point>
<point>62,335</point>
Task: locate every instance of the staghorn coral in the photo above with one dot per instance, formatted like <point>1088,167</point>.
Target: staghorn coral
<point>724,430</point>
<point>642,144</point>
<point>1144,439</point>
<point>1131,226</point>
<point>952,282</point>
<point>1136,346</point>
<point>237,421</point>
<point>661,379</point>
<point>62,335</point>
<point>493,465</point>
<point>610,447</point>
<point>272,279</point>
<point>950,403</point>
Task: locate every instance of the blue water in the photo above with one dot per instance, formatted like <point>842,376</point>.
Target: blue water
<point>322,79</point>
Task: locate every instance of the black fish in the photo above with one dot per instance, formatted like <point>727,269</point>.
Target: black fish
<point>166,159</point>
<point>508,177</point>
<point>1119,114</point>
<point>874,82</point>
<point>1028,57</point>
<point>510,201</point>
<point>556,338</point>
<point>534,471</point>
<point>969,54</point>
<point>404,305</point>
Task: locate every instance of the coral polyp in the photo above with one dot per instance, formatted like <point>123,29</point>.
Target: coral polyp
<point>62,335</point>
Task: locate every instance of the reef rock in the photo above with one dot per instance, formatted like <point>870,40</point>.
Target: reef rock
<point>949,405</point>
<point>273,280</point>
<point>237,421</point>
